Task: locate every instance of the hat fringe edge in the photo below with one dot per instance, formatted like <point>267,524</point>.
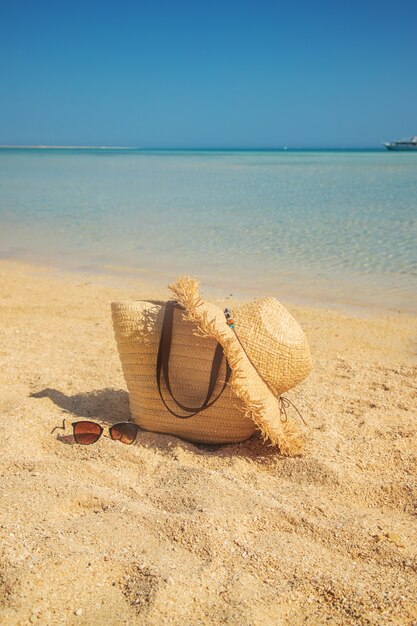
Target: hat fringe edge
<point>287,437</point>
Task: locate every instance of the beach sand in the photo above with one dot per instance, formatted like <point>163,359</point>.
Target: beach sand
<point>167,532</point>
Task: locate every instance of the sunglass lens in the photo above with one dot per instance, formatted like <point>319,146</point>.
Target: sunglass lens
<point>87,432</point>
<point>125,432</point>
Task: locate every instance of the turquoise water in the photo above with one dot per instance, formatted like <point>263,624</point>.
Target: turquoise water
<point>313,225</point>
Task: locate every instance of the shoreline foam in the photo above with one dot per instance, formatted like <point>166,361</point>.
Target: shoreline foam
<point>347,296</point>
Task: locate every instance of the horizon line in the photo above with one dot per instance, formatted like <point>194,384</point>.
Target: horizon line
<point>185,148</point>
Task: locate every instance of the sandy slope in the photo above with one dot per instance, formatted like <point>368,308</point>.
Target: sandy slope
<point>167,532</point>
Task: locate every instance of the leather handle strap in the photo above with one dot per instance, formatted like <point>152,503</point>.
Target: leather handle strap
<point>162,368</point>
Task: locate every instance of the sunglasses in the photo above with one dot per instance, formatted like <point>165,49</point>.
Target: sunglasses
<point>86,432</point>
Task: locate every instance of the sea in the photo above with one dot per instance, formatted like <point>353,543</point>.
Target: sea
<point>321,227</point>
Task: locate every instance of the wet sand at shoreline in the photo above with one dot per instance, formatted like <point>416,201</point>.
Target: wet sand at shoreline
<point>168,532</point>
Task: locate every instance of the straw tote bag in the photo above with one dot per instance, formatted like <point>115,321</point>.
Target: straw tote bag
<point>177,380</point>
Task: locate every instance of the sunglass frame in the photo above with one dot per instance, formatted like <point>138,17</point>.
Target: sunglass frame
<point>129,443</point>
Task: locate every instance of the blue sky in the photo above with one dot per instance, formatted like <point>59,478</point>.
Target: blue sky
<point>208,74</point>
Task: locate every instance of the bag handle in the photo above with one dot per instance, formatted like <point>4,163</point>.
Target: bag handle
<point>162,367</point>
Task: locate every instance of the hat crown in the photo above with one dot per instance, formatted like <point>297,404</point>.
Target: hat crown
<point>274,342</point>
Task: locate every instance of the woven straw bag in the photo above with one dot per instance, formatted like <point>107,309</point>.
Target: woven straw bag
<point>182,390</point>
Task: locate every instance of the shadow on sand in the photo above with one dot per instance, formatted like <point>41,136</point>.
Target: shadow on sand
<point>112,405</point>
<point>106,405</point>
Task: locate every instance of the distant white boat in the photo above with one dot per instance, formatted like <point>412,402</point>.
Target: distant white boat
<point>404,144</point>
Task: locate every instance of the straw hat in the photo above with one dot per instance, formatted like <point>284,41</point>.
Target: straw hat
<point>267,351</point>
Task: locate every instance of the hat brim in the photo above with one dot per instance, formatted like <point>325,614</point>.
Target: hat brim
<point>260,403</point>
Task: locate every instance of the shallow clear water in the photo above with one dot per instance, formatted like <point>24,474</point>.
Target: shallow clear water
<point>329,225</point>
